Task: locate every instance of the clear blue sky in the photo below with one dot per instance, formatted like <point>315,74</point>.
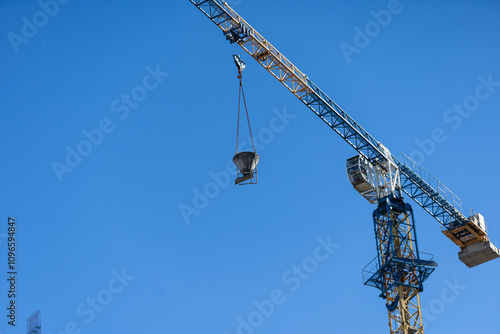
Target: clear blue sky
<point>157,81</point>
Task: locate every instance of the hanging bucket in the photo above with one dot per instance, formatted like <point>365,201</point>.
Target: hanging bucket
<point>246,162</point>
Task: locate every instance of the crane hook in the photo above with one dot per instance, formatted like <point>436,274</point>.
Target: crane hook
<point>239,64</point>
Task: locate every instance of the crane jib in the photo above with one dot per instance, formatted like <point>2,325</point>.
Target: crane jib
<point>239,31</point>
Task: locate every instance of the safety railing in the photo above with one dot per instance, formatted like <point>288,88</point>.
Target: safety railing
<point>433,182</point>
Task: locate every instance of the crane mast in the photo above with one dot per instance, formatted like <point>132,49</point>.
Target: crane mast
<point>399,269</point>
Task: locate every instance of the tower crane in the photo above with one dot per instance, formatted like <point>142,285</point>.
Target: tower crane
<point>400,268</point>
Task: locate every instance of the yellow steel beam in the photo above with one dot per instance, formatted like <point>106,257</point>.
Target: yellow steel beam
<point>466,234</point>
<point>269,57</point>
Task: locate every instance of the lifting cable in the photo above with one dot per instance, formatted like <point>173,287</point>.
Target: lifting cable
<point>241,65</point>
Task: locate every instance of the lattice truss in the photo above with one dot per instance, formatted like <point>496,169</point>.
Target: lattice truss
<point>400,270</point>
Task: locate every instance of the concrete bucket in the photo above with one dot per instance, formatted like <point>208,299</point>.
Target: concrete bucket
<point>246,162</point>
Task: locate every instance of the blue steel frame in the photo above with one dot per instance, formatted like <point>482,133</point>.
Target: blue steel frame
<point>428,198</point>
<point>237,30</point>
<point>398,261</point>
